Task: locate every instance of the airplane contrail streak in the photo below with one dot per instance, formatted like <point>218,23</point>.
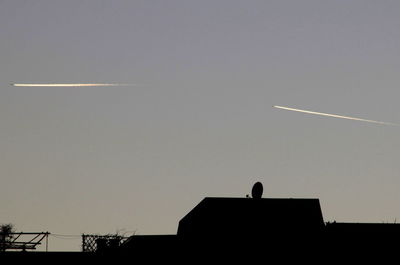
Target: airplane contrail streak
<point>335,116</point>
<point>69,85</point>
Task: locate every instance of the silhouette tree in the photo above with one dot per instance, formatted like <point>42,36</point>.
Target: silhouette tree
<point>6,236</point>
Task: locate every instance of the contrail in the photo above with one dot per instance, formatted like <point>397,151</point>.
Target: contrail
<point>69,85</point>
<point>336,116</point>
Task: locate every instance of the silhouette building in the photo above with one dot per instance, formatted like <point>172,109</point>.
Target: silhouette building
<point>265,226</point>
<point>253,228</point>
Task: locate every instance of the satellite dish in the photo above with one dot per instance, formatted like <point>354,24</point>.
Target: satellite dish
<point>257,190</point>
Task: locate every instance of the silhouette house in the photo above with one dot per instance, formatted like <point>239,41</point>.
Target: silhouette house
<point>259,226</point>
<point>247,219</point>
<point>230,228</point>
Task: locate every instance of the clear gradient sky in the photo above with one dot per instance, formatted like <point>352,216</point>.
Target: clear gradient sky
<point>100,159</point>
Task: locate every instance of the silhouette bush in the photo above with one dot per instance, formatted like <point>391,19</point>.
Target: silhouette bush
<point>6,236</point>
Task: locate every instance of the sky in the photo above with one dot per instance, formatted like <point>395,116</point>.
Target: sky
<point>198,119</point>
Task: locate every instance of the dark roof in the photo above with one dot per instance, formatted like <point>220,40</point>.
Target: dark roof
<point>246,217</point>
<point>364,229</point>
<point>146,244</point>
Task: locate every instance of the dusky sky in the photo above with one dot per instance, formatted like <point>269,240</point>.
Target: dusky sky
<point>137,158</point>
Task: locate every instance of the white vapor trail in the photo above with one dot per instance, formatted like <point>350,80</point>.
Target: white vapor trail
<point>69,85</point>
<point>335,116</point>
